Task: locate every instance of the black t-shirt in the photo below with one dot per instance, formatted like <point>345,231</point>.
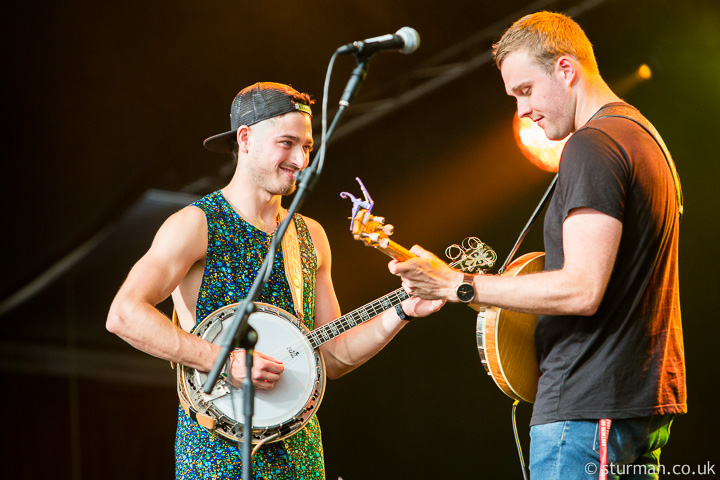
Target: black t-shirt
<point>627,360</point>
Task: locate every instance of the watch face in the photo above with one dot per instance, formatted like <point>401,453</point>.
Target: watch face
<point>465,292</point>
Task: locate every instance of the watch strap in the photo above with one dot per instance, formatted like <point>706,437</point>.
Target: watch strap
<point>401,313</point>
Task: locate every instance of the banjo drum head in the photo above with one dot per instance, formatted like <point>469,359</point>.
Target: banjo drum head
<point>295,397</point>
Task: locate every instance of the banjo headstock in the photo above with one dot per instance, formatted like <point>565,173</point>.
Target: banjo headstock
<point>471,256</point>
<point>371,229</point>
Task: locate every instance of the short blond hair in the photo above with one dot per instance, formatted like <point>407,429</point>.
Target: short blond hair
<point>546,36</point>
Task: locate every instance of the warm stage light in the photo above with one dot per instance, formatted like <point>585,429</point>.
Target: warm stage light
<point>644,72</point>
<point>533,143</point>
<point>627,83</point>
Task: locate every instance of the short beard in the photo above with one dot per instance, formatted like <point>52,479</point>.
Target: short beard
<point>288,191</point>
<point>260,177</point>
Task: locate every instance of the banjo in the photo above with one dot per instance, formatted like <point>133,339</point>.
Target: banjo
<point>291,403</point>
<point>505,339</point>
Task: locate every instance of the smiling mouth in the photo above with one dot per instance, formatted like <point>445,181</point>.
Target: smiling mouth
<point>290,171</point>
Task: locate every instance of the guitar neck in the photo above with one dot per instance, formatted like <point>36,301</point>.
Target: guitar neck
<point>394,250</point>
<point>358,316</point>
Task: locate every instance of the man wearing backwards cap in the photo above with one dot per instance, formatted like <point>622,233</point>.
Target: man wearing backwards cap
<point>206,256</point>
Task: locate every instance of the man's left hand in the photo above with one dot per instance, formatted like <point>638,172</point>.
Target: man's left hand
<point>426,276</point>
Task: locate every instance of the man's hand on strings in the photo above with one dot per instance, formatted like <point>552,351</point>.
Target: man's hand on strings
<point>426,276</point>
<point>266,370</point>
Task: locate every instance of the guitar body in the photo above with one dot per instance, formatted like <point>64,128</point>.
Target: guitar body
<point>506,340</point>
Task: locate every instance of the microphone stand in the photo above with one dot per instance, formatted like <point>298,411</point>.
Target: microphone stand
<point>356,78</point>
<point>241,333</point>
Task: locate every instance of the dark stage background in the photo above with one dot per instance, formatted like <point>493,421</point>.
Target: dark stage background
<point>106,107</point>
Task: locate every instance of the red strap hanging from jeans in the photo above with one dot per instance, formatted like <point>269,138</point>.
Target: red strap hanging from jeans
<point>604,425</point>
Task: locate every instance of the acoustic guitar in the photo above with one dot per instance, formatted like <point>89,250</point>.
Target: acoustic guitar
<point>506,340</point>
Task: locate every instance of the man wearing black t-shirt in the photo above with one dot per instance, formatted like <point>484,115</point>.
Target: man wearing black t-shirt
<point>609,335</point>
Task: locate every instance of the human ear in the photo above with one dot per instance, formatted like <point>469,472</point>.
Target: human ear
<point>565,69</point>
<point>242,137</point>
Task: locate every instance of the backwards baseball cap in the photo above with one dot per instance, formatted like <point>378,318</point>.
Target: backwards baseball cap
<point>256,103</point>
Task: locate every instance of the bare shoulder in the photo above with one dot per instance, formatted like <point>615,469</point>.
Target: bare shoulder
<point>179,243</point>
<point>184,233</point>
<point>188,216</point>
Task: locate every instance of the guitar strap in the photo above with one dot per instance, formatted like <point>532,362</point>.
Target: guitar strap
<point>176,321</point>
<point>533,217</point>
<point>630,113</point>
<point>293,265</point>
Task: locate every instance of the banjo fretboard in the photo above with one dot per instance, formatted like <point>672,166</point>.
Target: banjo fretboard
<point>361,315</point>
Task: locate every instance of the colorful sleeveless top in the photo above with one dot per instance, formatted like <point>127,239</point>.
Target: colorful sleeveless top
<point>235,252</point>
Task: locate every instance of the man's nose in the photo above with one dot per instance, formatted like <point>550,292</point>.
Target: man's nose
<point>300,157</point>
<point>523,109</point>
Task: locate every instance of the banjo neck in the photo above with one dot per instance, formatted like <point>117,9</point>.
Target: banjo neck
<point>358,316</point>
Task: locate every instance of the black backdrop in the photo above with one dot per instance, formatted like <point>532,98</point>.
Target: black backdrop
<point>105,102</point>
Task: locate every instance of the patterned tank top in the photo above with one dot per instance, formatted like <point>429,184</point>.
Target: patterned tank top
<point>235,252</point>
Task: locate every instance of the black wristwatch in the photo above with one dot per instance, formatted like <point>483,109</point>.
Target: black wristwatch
<point>401,313</point>
<point>466,290</point>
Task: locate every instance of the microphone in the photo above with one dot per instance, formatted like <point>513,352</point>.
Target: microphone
<point>406,40</point>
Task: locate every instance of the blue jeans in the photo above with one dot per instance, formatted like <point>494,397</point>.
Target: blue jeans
<point>570,449</point>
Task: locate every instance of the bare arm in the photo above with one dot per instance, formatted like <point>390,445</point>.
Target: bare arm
<point>353,348</point>
<point>590,243</point>
<point>178,245</point>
